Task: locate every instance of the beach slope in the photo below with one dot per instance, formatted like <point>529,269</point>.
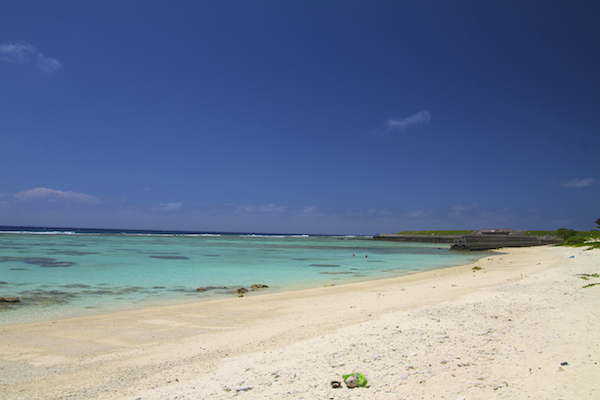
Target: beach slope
<point>516,324</point>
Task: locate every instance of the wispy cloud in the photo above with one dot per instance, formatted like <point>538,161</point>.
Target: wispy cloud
<point>459,209</point>
<point>56,195</point>
<point>422,213</point>
<point>579,183</point>
<point>172,206</point>
<point>22,52</point>
<point>400,124</point>
<point>265,208</point>
<point>16,52</point>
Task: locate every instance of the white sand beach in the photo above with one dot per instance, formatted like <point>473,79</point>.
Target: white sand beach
<point>521,327</point>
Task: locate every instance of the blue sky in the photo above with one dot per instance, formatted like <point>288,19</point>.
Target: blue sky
<point>341,117</point>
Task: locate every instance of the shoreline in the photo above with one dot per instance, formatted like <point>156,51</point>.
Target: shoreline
<point>287,344</point>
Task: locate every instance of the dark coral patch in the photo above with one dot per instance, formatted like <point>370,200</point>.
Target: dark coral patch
<point>41,261</point>
<point>171,257</point>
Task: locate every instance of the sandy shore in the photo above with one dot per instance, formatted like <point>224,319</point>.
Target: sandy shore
<point>458,333</point>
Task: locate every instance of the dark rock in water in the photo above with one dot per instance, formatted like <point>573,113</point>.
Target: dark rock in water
<point>3,283</point>
<point>171,257</point>
<point>41,261</point>
<point>60,293</point>
<point>76,286</point>
<point>202,289</point>
<point>9,299</point>
<point>325,265</point>
<point>336,272</point>
<point>98,292</point>
<point>240,290</point>
<point>57,264</point>
<point>258,286</point>
<point>36,260</point>
<point>71,253</point>
<point>19,269</point>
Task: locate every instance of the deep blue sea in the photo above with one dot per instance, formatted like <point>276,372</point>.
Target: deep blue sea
<point>58,273</point>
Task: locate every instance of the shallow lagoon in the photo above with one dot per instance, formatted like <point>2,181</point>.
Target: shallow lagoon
<point>62,274</point>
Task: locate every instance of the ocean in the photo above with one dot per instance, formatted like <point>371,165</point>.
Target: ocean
<point>59,273</point>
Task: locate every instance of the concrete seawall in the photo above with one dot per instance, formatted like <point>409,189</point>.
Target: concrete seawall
<point>417,238</point>
<point>489,242</point>
<point>476,241</point>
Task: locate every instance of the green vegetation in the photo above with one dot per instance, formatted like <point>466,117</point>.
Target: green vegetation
<point>566,233</point>
<point>580,239</point>
<point>588,276</point>
<point>575,240</point>
<point>435,233</point>
<point>591,239</point>
<point>558,232</point>
<point>541,233</point>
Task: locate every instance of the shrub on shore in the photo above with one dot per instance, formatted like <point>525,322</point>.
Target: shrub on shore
<point>566,233</point>
<point>589,239</point>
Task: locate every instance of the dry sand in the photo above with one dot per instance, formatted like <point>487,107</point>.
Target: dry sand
<point>458,333</point>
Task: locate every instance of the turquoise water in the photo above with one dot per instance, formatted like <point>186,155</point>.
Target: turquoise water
<point>62,274</point>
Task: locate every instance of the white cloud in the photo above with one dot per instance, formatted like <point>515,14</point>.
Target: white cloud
<point>460,209</point>
<point>273,208</point>
<point>309,212</point>
<point>421,213</point>
<point>48,64</point>
<point>172,206</point>
<point>246,209</point>
<point>16,52</point>
<point>56,195</point>
<point>400,124</point>
<point>266,208</point>
<point>579,183</point>
<point>21,52</point>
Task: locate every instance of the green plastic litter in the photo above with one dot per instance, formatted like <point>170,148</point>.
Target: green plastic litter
<point>362,381</point>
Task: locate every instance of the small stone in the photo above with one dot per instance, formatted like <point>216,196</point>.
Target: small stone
<point>244,388</point>
<point>336,384</point>
<point>564,363</point>
<point>9,299</point>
